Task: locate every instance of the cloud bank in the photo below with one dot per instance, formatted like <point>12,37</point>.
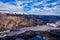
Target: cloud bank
<point>35,7</point>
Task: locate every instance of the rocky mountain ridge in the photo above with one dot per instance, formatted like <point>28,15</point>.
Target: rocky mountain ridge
<point>8,22</point>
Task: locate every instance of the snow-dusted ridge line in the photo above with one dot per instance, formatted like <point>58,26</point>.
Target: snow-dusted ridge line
<point>35,28</point>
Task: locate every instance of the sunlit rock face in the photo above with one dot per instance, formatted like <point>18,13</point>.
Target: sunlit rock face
<point>14,22</point>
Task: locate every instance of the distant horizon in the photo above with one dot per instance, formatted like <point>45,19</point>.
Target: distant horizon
<point>27,14</point>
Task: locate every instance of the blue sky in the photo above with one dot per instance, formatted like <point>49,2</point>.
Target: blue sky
<point>36,7</point>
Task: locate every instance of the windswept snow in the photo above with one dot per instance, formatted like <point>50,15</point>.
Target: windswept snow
<point>33,28</point>
<point>36,28</point>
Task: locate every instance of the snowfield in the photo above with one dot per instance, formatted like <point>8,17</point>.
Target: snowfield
<point>33,28</point>
<point>36,28</point>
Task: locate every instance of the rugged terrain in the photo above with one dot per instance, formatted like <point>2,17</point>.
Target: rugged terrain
<point>13,21</point>
<point>8,22</point>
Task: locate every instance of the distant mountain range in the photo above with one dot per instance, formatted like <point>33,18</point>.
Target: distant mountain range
<point>45,18</point>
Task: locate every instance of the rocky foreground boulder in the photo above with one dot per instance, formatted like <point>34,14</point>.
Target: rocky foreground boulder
<point>14,22</point>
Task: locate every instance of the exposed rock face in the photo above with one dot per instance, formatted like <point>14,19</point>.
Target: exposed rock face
<point>14,22</point>
<point>39,22</point>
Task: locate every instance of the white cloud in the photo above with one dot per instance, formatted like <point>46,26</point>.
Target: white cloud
<point>54,3</point>
<point>18,3</point>
<point>46,11</point>
<point>38,3</point>
<point>35,11</point>
<point>9,7</point>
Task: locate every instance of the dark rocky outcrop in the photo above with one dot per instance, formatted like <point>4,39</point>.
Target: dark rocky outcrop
<point>31,35</point>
